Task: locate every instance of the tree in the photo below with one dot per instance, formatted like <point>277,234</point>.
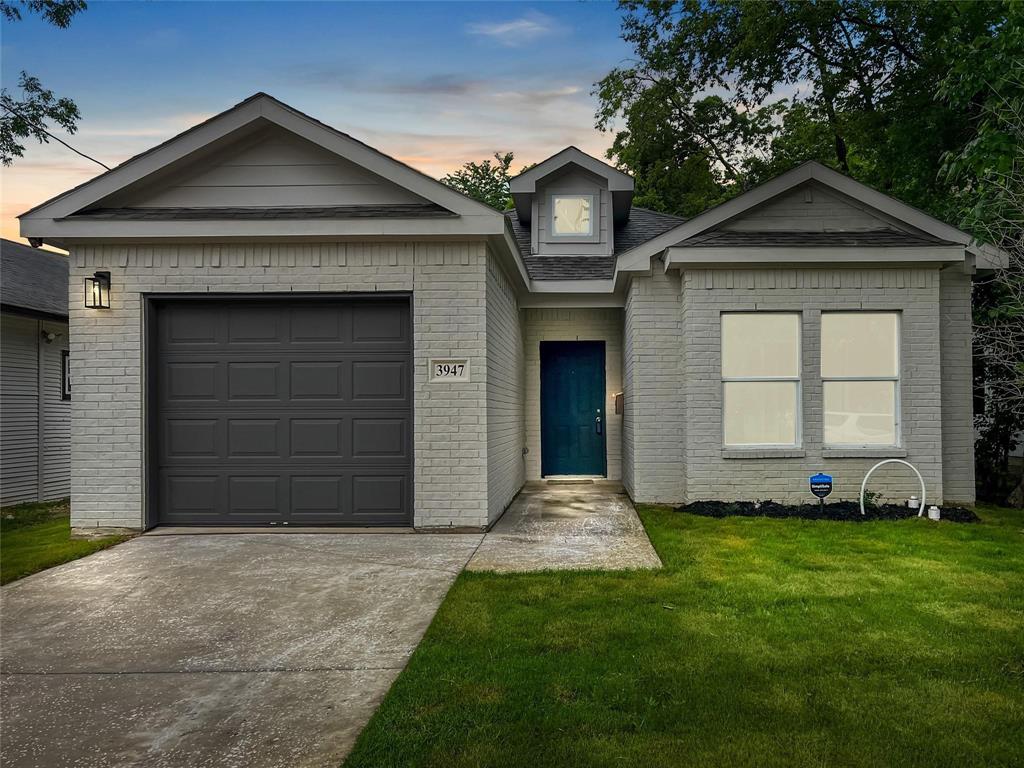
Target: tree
<point>865,76</point>
<point>27,114</point>
<point>486,181</point>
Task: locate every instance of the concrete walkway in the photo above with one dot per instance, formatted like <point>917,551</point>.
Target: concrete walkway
<point>247,650</point>
<point>563,527</point>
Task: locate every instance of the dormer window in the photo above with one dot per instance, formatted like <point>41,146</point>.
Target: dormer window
<point>571,215</point>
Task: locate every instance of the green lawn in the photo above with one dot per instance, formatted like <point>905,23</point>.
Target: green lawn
<point>761,643</point>
<point>34,537</point>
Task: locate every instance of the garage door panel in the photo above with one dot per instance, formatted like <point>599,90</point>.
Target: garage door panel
<point>192,326</point>
<point>380,326</point>
<point>317,438</point>
<point>190,496</point>
<point>189,382</point>
<point>254,497</point>
<point>380,381</point>
<point>250,380</point>
<point>255,438</point>
<point>317,380</point>
<point>254,325</point>
<point>317,498</point>
<point>317,325</point>
<point>381,437</point>
<point>378,498</point>
<point>295,412</point>
<point>191,438</point>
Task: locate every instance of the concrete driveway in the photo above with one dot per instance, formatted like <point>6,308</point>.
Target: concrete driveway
<point>215,650</point>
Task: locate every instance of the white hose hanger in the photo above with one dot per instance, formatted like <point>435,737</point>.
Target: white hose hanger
<point>893,461</point>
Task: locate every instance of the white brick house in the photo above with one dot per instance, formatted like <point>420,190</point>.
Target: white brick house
<point>299,330</point>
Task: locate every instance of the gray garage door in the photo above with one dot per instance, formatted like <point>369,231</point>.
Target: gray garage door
<point>289,412</point>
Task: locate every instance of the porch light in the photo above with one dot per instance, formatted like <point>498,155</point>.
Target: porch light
<point>97,291</point>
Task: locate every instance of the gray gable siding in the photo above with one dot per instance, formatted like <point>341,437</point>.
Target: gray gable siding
<point>273,169</point>
<point>572,182</point>
<point>809,207</point>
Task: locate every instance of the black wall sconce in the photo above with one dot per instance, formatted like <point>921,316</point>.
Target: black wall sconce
<point>97,291</point>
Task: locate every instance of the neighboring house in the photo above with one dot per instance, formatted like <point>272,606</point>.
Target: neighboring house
<point>302,330</point>
<point>35,407</point>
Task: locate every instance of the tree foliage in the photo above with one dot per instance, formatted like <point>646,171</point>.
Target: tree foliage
<point>486,181</point>
<point>859,79</point>
<point>29,112</point>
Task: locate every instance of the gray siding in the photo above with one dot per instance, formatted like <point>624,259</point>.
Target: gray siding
<point>35,449</point>
<point>572,182</point>
<point>566,324</point>
<point>957,387</point>
<point>505,439</point>
<point>447,281</point>
<point>810,207</point>
<point>275,169</point>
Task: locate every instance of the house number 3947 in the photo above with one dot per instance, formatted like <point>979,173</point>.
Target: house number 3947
<point>449,370</point>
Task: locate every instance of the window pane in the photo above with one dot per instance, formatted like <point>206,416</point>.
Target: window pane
<point>860,412</point>
<point>859,344</point>
<point>572,216</point>
<point>758,344</point>
<point>760,412</point>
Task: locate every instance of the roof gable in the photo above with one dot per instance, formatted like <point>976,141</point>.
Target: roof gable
<point>890,213</point>
<point>239,124</point>
<point>527,180</point>
<point>524,186</point>
<point>269,167</point>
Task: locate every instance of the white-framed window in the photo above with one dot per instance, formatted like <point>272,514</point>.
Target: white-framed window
<point>572,215</point>
<point>860,372</point>
<point>761,379</point>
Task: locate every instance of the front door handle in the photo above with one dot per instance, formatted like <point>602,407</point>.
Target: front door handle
<point>597,424</point>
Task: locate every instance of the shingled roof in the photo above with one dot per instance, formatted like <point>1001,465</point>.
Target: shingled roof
<point>876,238</point>
<point>641,226</point>
<point>32,280</point>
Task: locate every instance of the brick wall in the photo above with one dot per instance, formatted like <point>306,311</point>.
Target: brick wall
<point>957,386</point>
<point>567,324</point>
<point>448,286</point>
<point>505,392</point>
<point>712,472</point>
<point>656,393</point>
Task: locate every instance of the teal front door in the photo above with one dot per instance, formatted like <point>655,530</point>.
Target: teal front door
<point>572,417</point>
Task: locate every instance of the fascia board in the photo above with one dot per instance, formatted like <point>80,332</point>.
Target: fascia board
<point>683,257</point>
<point>71,228</point>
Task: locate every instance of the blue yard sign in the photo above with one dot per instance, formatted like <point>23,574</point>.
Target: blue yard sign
<point>821,485</point>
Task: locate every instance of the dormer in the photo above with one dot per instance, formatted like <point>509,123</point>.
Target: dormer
<point>571,203</point>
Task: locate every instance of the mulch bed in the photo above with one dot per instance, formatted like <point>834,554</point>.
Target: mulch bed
<point>836,510</point>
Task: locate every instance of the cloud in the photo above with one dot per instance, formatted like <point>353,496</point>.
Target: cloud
<point>515,32</point>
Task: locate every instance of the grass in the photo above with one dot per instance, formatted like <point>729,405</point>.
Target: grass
<point>34,537</point>
<point>761,643</point>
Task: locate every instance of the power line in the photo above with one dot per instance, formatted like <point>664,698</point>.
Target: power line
<point>40,128</point>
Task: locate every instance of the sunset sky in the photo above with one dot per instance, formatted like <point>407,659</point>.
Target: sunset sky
<point>434,84</point>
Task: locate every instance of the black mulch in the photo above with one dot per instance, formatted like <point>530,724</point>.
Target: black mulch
<point>836,510</point>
